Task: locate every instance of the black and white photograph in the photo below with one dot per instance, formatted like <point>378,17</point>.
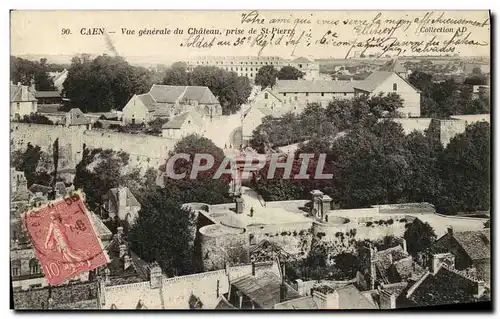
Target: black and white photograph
<point>250,160</point>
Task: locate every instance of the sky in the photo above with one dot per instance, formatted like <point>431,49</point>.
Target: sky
<point>65,33</point>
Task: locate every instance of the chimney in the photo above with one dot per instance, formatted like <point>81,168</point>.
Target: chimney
<point>107,274</point>
<point>240,299</point>
<point>217,291</point>
<point>300,287</point>
<point>450,230</point>
<point>405,248</point>
<point>239,205</point>
<point>253,268</point>
<point>122,197</point>
<point>155,276</point>
<point>127,262</point>
<point>390,258</point>
<point>102,292</point>
<point>123,250</point>
<point>387,300</point>
<point>283,289</point>
<point>481,287</point>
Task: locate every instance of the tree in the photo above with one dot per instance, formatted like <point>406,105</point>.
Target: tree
<point>419,236</point>
<point>27,162</point>
<point>30,72</point>
<point>36,119</point>
<point>104,83</point>
<point>176,75</point>
<point>465,171</point>
<point>162,233</point>
<point>266,76</point>
<point>290,73</point>
<point>346,266</point>
<point>98,172</point>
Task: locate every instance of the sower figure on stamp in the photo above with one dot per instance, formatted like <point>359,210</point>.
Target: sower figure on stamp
<point>57,236</point>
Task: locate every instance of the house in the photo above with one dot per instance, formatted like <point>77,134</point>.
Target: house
<point>296,94</point>
<point>75,117</point>
<point>396,67</point>
<point>186,123</point>
<point>48,97</point>
<point>58,78</point>
<point>166,101</point>
<point>308,67</point>
<point>443,285</point>
<point>390,82</point>
<point>325,297</point>
<point>252,117</point>
<point>471,251</point>
<point>260,291</point>
<point>22,101</point>
<point>121,203</point>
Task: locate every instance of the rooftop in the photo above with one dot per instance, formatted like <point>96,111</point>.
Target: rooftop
<point>316,86</point>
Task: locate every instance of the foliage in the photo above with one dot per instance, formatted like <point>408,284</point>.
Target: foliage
<point>98,172</point>
<point>290,73</point>
<point>419,236</point>
<point>231,90</point>
<point>27,72</point>
<point>36,118</point>
<point>465,171</point>
<point>162,233</point>
<point>266,76</point>
<point>104,83</point>
<point>346,266</point>
<point>27,162</point>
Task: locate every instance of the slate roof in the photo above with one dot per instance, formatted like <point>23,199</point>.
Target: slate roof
<point>37,188</point>
<point>77,117</point>
<point>177,121</point>
<point>383,259</point>
<point>39,94</point>
<point>224,304</point>
<point>131,200</point>
<point>445,287</point>
<point>21,93</point>
<point>351,298</point>
<point>171,94</point>
<point>316,86</point>
<point>475,243</point>
<point>375,79</point>
<point>301,60</point>
<point>263,290</point>
<point>407,268</point>
<point>148,101</point>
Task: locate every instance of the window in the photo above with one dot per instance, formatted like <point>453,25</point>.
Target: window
<point>284,94</point>
<point>322,94</point>
<point>296,98</point>
<point>251,238</point>
<point>345,94</point>
<point>18,106</point>
<point>300,66</point>
<point>266,96</point>
<point>16,268</point>
<point>395,87</point>
<point>307,94</point>
<point>34,267</point>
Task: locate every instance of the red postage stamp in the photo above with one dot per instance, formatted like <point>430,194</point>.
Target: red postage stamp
<point>64,239</point>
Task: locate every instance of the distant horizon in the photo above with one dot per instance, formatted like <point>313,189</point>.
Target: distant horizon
<point>158,60</point>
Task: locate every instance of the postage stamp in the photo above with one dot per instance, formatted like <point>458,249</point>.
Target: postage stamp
<point>64,239</point>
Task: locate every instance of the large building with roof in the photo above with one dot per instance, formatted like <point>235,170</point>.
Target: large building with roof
<point>167,101</point>
<point>248,66</point>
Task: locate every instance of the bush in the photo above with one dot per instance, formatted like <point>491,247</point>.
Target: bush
<point>390,222</point>
<point>368,224</point>
<point>36,118</point>
<point>295,233</point>
<point>402,220</point>
<point>321,235</point>
<point>284,233</point>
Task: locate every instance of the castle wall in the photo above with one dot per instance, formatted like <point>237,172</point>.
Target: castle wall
<point>144,150</point>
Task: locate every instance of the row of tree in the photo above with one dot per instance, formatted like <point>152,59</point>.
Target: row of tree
<point>374,162</point>
<point>442,99</point>
<point>30,73</point>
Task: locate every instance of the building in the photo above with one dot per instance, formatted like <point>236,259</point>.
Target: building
<point>325,297</point>
<point>184,124</point>
<point>443,285</point>
<point>471,251</point>
<point>22,101</point>
<point>296,94</point>
<point>48,97</point>
<point>249,65</point>
<point>166,101</point>
<point>389,82</point>
<point>121,203</point>
<point>75,117</point>
<point>58,78</point>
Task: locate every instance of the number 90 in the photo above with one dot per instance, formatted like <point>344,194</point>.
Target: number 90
<point>65,31</point>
